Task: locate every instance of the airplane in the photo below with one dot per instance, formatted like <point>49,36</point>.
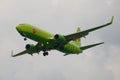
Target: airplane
<point>68,44</point>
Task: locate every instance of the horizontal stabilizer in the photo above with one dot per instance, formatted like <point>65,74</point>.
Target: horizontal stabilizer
<point>90,46</point>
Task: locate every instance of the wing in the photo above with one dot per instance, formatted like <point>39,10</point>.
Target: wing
<point>86,32</point>
<point>19,54</point>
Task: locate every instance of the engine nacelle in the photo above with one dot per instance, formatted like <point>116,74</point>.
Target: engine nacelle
<point>60,38</point>
<point>31,48</point>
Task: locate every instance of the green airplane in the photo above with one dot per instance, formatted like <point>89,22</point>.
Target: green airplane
<point>68,44</point>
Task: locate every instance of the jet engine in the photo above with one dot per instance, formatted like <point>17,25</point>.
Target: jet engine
<point>60,38</point>
<point>32,48</point>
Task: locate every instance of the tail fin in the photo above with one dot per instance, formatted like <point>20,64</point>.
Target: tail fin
<point>90,46</point>
<point>78,41</point>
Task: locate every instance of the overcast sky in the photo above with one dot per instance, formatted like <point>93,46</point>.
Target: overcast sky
<point>63,17</point>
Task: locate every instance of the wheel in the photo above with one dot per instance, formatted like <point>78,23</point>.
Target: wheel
<point>45,53</point>
<point>25,39</point>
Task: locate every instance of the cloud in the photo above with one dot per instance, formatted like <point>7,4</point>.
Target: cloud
<point>60,16</point>
<point>113,61</point>
<point>109,2</point>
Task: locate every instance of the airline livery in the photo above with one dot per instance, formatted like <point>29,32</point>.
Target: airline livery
<point>68,44</point>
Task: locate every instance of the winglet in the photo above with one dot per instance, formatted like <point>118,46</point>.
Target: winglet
<point>112,20</point>
<point>12,54</point>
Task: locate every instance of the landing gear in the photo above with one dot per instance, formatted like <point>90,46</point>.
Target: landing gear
<point>38,53</point>
<point>25,39</point>
<point>45,53</point>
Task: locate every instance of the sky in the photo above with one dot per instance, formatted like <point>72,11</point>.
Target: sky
<point>60,17</point>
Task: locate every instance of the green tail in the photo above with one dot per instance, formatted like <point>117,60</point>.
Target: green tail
<point>78,41</point>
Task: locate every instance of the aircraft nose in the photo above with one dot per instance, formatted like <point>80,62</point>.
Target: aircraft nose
<point>18,28</point>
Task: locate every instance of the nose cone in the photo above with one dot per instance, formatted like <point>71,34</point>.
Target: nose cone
<point>19,28</point>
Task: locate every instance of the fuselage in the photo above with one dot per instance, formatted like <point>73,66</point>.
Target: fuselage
<point>44,38</point>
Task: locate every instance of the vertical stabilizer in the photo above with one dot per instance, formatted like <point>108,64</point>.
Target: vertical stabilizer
<point>78,41</point>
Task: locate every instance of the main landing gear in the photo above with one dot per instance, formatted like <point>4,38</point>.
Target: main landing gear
<point>45,54</point>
